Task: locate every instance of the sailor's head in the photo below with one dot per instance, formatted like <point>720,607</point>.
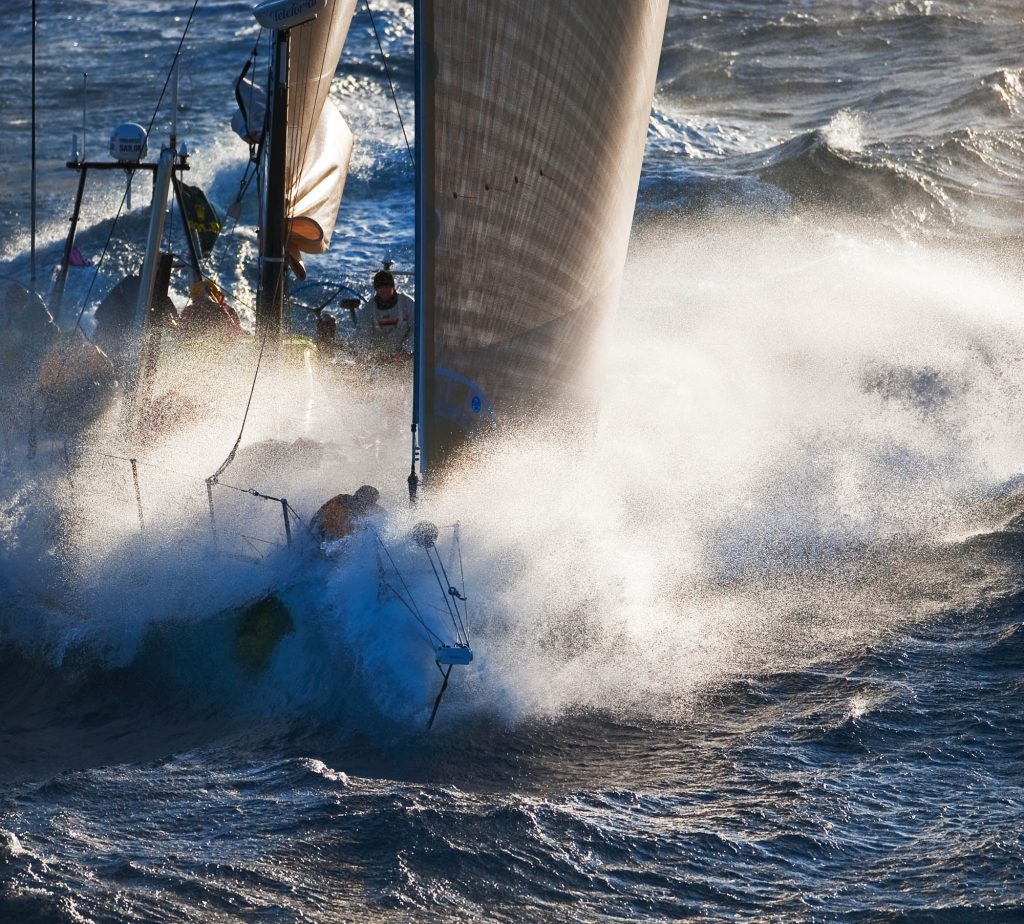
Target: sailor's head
<point>366,496</point>
<point>384,283</point>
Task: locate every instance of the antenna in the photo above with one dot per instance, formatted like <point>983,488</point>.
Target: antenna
<point>174,100</point>
<point>85,97</point>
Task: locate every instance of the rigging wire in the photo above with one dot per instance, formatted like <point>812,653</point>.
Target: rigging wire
<point>103,254</point>
<point>167,79</point>
<point>124,197</point>
<point>462,573</point>
<point>251,170</point>
<point>449,593</point>
<point>410,605</point>
<point>387,71</point>
<point>438,641</point>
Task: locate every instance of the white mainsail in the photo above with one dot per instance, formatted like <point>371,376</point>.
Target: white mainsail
<point>533,122</point>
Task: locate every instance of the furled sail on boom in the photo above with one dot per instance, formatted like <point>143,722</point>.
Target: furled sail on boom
<point>531,126</point>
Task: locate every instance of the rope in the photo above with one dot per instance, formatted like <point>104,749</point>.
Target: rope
<point>291,182</point>
<point>287,508</point>
<point>448,592</point>
<point>410,605</point>
<point>234,449</point>
<point>250,491</point>
<point>387,71</point>
<point>437,639</point>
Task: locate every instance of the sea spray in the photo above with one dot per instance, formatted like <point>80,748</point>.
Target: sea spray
<point>787,416</point>
<point>845,131</point>
<point>789,419</point>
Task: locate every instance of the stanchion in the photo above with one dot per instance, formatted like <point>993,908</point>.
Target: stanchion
<point>138,493</point>
<point>209,498</point>
<point>287,525</point>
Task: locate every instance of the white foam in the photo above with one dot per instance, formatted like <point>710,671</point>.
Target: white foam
<point>845,131</point>
<point>782,406</point>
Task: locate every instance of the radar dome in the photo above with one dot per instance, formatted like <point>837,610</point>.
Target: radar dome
<point>128,143</point>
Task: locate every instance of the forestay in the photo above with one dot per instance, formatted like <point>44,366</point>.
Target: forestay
<point>532,122</point>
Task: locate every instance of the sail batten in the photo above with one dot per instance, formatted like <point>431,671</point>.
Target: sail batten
<point>534,123</point>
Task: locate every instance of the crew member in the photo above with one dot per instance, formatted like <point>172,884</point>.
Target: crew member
<point>326,329</point>
<point>209,316</point>
<point>386,322</point>
<point>76,380</point>
<point>341,515</point>
<point>115,314</point>
<point>27,333</point>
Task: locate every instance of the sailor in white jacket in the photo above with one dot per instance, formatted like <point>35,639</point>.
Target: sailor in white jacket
<point>387,320</point>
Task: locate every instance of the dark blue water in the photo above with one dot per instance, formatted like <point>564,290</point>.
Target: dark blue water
<point>758,655</point>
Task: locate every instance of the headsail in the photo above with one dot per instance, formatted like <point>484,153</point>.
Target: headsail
<point>531,128</point>
<point>319,141</point>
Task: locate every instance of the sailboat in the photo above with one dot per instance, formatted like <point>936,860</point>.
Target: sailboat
<point>530,125</point>
<point>531,119</point>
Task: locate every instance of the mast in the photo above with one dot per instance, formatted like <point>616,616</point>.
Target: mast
<point>424,270</point>
<point>145,342</point>
<point>157,216</point>
<point>272,267</point>
<point>32,258</point>
<point>280,16</point>
<point>418,20</point>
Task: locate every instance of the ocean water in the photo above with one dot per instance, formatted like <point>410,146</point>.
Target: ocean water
<point>754,653</point>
